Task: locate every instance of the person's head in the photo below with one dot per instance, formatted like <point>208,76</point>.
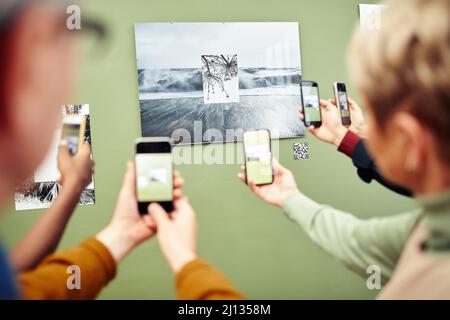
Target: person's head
<point>402,72</point>
<point>36,74</point>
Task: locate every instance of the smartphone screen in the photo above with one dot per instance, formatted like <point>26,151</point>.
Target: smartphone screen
<point>154,175</point>
<point>258,157</point>
<point>73,132</point>
<point>311,104</point>
<point>342,101</point>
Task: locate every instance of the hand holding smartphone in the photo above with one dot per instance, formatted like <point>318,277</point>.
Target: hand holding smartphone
<point>154,173</point>
<point>311,104</point>
<point>258,157</point>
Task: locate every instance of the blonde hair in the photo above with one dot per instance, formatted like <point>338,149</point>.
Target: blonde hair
<point>406,65</point>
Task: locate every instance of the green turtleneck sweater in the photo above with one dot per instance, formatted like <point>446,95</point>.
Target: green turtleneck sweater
<point>379,241</point>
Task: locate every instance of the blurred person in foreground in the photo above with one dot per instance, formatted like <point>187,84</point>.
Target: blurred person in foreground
<point>37,64</point>
<point>37,70</point>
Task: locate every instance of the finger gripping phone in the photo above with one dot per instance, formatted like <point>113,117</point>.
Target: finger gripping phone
<point>258,157</point>
<point>311,104</point>
<point>154,173</point>
<point>340,95</point>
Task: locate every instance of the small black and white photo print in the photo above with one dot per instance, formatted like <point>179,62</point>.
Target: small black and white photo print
<point>42,190</point>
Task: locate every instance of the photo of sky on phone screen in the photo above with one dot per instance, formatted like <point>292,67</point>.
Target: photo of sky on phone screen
<point>154,177</point>
<point>258,157</point>
<point>311,104</point>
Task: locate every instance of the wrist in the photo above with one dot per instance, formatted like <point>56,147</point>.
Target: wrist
<point>72,183</point>
<point>362,131</point>
<point>285,196</point>
<point>118,243</point>
<point>340,134</point>
<point>180,259</point>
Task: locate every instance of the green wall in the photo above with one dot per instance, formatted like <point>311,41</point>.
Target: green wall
<point>255,245</point>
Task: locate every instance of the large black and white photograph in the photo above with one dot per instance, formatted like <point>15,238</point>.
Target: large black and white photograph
<point>219,76</point>
<point>42,189</point>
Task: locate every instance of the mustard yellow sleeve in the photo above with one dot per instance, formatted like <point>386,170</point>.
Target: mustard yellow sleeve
<point>200,281</point>
<point>50,278</point>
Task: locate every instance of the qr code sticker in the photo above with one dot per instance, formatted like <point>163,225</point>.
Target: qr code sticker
<point>301,151</point>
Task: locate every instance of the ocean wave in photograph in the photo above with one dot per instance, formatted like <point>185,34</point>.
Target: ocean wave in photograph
<point>171,99</point>
<point>188,81</point>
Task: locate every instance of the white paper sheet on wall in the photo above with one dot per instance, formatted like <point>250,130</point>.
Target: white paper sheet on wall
<point>41,192</point>
<point>48,170</point>
<point>370,16</point>
<point>220,83</point>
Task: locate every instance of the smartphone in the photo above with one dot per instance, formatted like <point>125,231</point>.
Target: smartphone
<point>154,173</point>
<point>340,95</point>
<point>258,157</point>
<point>311,104</point>
<point>74,131</point>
